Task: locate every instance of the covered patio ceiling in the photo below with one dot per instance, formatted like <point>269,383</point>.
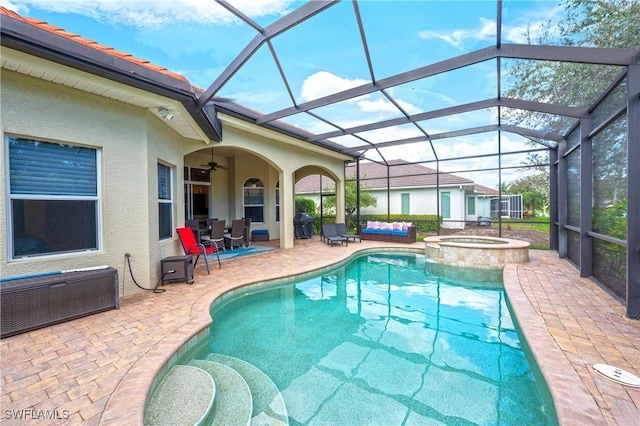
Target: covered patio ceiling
<point>381,80</point>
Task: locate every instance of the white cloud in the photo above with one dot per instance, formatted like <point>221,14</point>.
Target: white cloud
<point>323,83</point>
<point>456,38</point>
<point>384,106</point>
<point>153,14</point>
<point>13,6</point>
<point>545,20</point>
<point>517,30</point>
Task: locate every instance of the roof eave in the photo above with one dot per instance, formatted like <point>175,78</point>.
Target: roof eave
<point>24,37</point>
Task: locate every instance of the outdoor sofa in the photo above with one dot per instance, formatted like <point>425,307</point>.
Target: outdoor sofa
<point>395,232</point>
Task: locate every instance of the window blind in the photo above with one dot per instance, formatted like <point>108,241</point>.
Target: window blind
<point>45,168</point>
<point>164,182</point>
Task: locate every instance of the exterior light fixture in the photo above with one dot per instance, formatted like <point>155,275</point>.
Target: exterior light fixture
<point>164,113</point>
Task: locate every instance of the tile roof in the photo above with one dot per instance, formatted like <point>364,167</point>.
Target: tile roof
<point>90,43</point>
<point>486,190</point>
<point>374,176</point>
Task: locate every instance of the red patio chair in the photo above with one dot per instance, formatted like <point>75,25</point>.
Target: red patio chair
<point>191,247</point>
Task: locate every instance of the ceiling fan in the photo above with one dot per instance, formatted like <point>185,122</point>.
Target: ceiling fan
<point>213,166</point>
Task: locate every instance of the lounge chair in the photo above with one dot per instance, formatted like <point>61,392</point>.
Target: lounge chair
<point>330,235</point>
<point>341,229</point>
<point>193,248</point>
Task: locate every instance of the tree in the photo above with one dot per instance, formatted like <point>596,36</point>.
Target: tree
<point>535,192</point>
<point>305,205</point>
<point>588,23</point>
<point>350,200</point>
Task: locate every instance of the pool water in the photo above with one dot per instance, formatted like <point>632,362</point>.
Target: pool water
<point>381,341</point>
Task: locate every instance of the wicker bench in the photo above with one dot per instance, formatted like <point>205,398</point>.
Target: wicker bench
<point>33,302</point>
<point>389,235</point>
<point>260,235</point>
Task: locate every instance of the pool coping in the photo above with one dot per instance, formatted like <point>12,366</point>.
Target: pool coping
<point>572,400</point>
<point>505,243</point>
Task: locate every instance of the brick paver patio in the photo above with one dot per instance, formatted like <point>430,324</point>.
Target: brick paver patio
<point>98,369</point>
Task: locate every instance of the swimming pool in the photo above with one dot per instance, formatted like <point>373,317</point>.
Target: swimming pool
<point>381,340</point>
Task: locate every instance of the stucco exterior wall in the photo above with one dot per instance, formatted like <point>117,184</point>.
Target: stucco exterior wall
<point>130,141</point>
<point>421,201</point>
<point>272,158</point>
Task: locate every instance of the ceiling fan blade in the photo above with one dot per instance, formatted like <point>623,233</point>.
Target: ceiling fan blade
<point>213,165</point>
<point>217,166</point>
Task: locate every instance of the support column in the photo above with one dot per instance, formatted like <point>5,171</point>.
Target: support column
<point>357,194</point>
<point>633,193</point>
<point>562,200</point>
<point>287,209</point>
<point>553,199</point>
<point>586,197</point>
<point>340,199</point>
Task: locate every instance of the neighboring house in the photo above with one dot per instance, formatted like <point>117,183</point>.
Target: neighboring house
<point>413,189</point>
<point>105,154</point>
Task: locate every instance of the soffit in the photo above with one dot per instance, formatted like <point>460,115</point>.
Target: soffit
<point>42,69</point>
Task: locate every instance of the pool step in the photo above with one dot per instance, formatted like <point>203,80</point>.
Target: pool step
<point>233,404</point>
<point>220,390</point>
<point>268,404</point>
<point>185,396</point>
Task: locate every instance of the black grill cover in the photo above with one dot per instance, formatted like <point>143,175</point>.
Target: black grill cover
<point>303,225</point>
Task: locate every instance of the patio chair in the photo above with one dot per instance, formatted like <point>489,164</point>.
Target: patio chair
<point>330,235</point>
<point>216,234</point>
<point>236,237</point>
<point>193,248</point>
<point>194,224</point>
<point>247,230</point>
<point>341,229</point>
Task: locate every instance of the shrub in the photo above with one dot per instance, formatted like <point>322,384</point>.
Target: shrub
<point>305,205</point>
<point>422,222</point>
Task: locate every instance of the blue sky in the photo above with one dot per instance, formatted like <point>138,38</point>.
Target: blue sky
<point>198,39</point>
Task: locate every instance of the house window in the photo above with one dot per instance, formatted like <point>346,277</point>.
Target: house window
<point>471,206</point>
<point>165,202</point>
<point>53,197</point>
<point>445,205</point>
<point>254,200</point>
<point>405,203</point>
<point>278,201</point>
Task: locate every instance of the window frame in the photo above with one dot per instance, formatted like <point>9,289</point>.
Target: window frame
<point>164,201</point>
<point>405,203</point>
<point>445,207</point>
<point>95,199</point>
<point>471,205</point>
<point>278,201</point>
<point>256,183</point>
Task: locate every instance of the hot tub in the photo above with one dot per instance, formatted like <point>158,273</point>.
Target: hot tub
<point>475,251</point>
